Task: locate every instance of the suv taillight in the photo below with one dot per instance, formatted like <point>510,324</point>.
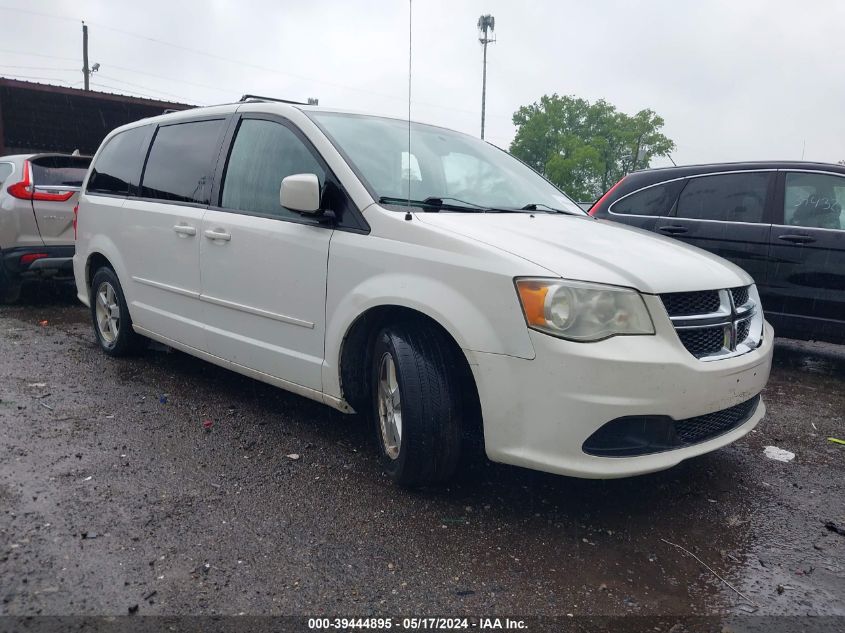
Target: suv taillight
<point>75,219</point>
<point>24,190</point>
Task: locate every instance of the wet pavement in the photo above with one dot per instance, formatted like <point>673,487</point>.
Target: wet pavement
<point>114,495</point>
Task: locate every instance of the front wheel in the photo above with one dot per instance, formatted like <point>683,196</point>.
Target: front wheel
<point>416,404</point>
<point>110,314</point>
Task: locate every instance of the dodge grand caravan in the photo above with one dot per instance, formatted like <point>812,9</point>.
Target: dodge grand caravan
<point>431,287</point>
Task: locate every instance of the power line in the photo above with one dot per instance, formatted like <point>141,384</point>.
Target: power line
<point>145,94</point>
<point>129,83</point>
<point>39,68</point>
<point>26,77</point>
<point>241,63</point>
<point>116,67</point>
<point>218,88</point>
<point>25,54</point>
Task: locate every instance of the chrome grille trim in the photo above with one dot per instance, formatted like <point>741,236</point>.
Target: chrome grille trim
<point>741,325</point>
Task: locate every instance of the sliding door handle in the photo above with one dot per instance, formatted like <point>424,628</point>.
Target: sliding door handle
<point>218,235</point>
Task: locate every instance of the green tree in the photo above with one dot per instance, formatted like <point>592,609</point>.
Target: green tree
<point>585,147</point>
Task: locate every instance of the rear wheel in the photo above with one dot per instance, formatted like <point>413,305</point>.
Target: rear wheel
<point>110,314</point>
<point>10,288</point>
<point>10,292</point>
<point>416,404</point>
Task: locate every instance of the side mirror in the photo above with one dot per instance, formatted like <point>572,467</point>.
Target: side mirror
<point>300,193</point>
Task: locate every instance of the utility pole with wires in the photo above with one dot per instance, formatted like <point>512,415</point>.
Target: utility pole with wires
<point>87,72</point>
<point>486,24</point>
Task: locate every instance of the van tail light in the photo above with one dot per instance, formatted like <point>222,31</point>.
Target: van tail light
<point>24,190</point>
<point>27,259</point>
<point>75,220</point>
<point>595,207</point>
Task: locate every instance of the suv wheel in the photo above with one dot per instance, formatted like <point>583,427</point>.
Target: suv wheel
<point>10,289</point>
<point>10,293</point>
<point>110,315</point>
<point>416,404</point>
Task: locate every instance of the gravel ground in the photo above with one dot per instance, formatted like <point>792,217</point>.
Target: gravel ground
<point>113,495</point>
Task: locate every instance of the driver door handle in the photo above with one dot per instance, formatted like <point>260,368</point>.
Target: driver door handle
<point>218,234</point>
<point>673,229</point>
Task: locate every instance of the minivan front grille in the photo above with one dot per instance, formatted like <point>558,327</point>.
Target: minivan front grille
<point>687,303</point>
<point>703,342</point>
<point>714,324</point>
<point>742,330</point>
<point>740,296</point>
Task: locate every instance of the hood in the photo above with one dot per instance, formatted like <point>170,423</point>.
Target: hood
<point>578,247</point>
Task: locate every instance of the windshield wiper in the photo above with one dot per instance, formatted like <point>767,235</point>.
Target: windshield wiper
<point>533,206</point>
<point>433,204</point>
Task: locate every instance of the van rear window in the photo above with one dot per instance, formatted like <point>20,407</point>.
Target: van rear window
<point>181,160</point>
<point>59,170</point>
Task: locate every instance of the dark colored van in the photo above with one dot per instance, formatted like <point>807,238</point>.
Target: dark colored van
<point>780,221</point>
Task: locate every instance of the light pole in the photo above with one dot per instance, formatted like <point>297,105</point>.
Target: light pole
<point>486,24</point>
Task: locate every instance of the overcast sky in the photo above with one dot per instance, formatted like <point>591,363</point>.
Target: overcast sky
<point>734,79</point>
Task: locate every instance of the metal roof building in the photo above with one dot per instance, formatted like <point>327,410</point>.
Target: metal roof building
<point>38,117</point>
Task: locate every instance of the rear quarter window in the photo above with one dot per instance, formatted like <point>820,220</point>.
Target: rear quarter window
<point>119,163</point>
<point>654,200</point>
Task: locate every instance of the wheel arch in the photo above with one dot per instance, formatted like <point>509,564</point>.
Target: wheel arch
<point>355,358</point>
<point>94,262</point>
<point>103,252</point>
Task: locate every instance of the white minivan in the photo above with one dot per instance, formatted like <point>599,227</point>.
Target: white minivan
<point>433,287</point>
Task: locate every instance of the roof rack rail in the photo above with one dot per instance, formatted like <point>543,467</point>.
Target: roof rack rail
<point>260,98</point>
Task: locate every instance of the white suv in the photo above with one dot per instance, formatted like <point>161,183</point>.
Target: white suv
<point>37,196</point>
<point>433,289</point>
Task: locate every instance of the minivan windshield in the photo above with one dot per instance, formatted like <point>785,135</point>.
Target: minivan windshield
<point>443,166</point>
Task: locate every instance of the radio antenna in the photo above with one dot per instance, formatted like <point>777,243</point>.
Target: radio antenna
<point>410,31</point>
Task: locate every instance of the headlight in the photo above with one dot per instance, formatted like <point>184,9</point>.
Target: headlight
<point>581,311</point>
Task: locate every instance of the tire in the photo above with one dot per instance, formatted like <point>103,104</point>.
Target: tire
<point>10,292</point>
<point>413,366</point>
<point>10,288</point>
<point>110,316</point>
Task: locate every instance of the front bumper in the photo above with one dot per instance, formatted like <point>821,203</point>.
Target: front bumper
<point>538,413</point>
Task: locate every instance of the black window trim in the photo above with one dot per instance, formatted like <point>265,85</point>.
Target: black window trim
<point>779,217</point>
<point>223,161</point>
<point>641,189</point>
<point>144,149</point>
<point>688,177</point>
<point>635,191</point>
<point>212,160</point>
